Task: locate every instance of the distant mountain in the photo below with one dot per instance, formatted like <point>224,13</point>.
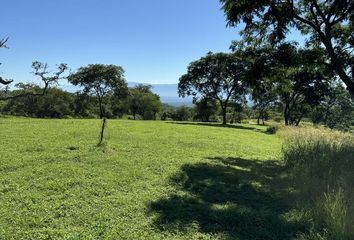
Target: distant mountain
<point>168,94</point>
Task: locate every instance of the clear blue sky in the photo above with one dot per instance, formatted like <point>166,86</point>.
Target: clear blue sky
<point>153,40</point>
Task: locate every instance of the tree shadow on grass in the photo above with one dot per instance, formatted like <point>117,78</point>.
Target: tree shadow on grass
<point>233,197</point>
<point>234,126</point>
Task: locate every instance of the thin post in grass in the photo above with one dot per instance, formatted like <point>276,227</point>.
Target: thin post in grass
<point>103,127</point>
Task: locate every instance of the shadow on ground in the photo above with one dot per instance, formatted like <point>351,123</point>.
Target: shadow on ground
<point>233,197</point>
<point>219,125</point>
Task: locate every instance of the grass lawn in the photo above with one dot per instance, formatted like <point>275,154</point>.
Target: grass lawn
<point>152,180</point>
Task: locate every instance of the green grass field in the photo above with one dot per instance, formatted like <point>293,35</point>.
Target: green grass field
<point>151,180</point>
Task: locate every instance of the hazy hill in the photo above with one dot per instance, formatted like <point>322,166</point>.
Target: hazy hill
<point>167,92</point>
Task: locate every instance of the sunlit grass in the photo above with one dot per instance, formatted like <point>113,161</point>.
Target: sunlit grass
<point>55,183</point>
<point>166,180</point>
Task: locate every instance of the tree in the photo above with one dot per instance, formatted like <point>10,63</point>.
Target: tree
<point>143,101</point>
<point>217,76</point>
<point>336,110</point>
<point>100,80</point>
<point>84,105</point>
<point>298,77</point>
<point>259,76</point>
<point>330,23</point>
<point>152,106</point>
<point>264,97</point>
<point>182,113</point>
<point>303,81</point>
<point>205,108</point>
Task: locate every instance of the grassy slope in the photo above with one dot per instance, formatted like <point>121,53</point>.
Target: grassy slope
<point>153,180</point>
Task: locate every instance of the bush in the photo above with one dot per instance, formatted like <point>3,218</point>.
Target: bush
<point>182,113</point>
<point>278,119</point>
<point>321,163</point>
<point>272,129</point>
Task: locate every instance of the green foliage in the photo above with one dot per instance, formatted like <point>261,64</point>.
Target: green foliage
<point>217,76</point>
<point>336,111</point>
<point>54,104</point>
<point>57,103</point>
<point>321,163</point>
<point>326,23</point>
<point>143,101</point>
<point>84,106</point>
<point>205,109</point>
<point>295,78</point>
<point>273,129</point>
<point>182,113</point>
<point>100,80</point>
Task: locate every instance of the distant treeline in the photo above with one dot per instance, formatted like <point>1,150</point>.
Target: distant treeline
<point>142,104</point>
<point>139,104</point>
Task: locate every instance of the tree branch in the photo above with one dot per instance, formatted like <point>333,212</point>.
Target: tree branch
<point>40,70</point>
<point>5,82</point>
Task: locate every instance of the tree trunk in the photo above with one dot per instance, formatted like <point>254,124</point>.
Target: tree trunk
<point>101,111</point>
<point>260,116</point>
<point>298,121</point>
<point>259,119</point>
<point>103,127</point>
<point>337,63</point>
<point>101,107</point>
<point>325,120</point>
<point>224,119</point>
<point>286,115</point>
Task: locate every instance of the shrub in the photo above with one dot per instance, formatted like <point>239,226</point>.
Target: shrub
<point>278,119</point>
<point>273,129</point>
<point>321,163</point>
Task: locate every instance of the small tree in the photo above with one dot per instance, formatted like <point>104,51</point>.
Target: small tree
<point>100,80</point>
<point>41,70</point>
<point>217,76</point>
<point>143,101</point>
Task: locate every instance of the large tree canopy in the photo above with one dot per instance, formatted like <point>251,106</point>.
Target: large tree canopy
<point>100,80</point>
<point>216,76</point>
<point>298,77</point>
<point>326,22</point>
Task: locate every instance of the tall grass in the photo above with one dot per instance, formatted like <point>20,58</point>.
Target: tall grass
<point>322,165</point>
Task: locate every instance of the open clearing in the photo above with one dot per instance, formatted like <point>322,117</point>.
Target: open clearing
<point>152,180</point>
